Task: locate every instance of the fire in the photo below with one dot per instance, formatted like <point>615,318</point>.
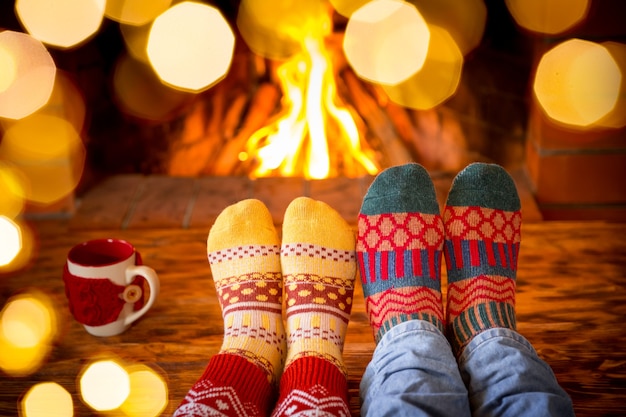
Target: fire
<point>315,135</point>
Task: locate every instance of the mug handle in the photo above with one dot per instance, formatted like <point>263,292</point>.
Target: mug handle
<point>153,281</point>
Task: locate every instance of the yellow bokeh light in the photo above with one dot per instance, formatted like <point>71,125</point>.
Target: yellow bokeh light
<point>148,393</point>
<point>9,68</point>
<point>27,247</point>
<point>191,46</point>
<point>617,117</point>
<point>104,385</point>
<point>347,7</point>
<point>10,240</point>
<point>386,41</point>
<point>66,102</point>
<point>27,330</point>
<point>46,399</point>
<point>27,75</point>
<point>135,12</point>
<point>48,152</point>
<point>463,20</point>
<point>577,82</point>
<point>28,320</point>
<point>141,94</point>
<point>276,29</point>
<point>438,78</point>
<point>63,24</point>
<point>12,192</point>
<point>548,16</point>
<point>136,41</point>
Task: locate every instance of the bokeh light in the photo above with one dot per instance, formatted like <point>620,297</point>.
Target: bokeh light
<point>617,117</point>
<point>577,82</point>
<point>28,242</point>
<point>10,240</point>
<point>548,16</point>
<point>63,24</point>
<point>191,46</point>
<point>463,20</point>
<point>47,399</point>
<point>386,41</point>
<point>27,74</point>
<point>136,41</point>
<point>437,80</point>
<point>28,328</point>
<point>12,192</point>
<point>148,393</point>
<point>66,102</point>
<point>48,153</point>
<point>104,385</point>
<point>347,7</point>
<point>139,92</point>
<point>276,29</point>
<point>9,68</point>
<point>135,12</point>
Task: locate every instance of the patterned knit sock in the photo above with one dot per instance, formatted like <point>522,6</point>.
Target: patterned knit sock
<point>399,249</point>
<point>319,268</point>
<point>482,220</point>
<point>244,252</point>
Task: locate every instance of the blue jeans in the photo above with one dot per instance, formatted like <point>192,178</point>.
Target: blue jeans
<point>413,372</point>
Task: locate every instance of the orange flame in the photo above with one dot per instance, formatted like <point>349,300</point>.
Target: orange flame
<point>297,143</point>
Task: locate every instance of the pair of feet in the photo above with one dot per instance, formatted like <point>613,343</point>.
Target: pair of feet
<point>399,248</point>
<point>313,266</point>
<point>402,237</point>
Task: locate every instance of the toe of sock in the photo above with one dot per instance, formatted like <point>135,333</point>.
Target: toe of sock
<point>484,185</point>
<point>246,222</point>
<point>401,189</point>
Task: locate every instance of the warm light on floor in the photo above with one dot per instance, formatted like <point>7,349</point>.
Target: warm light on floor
<point>47,399</point>
<point>104,385</point>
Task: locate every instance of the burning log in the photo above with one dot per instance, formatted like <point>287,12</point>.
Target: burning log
<point>377,120</point>
<point>261,108</point>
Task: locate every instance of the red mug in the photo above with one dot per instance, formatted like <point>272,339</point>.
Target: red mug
<point>105,285</point>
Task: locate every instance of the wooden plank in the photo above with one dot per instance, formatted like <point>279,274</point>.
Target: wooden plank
<point>343,194</point>
<point>277,193</point>
<point>163,202</point>
<point>106,205</point>
<point>571,295</point>
<point>214,195</point>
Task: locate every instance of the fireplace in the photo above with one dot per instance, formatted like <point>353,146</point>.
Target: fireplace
<point>213,133</point>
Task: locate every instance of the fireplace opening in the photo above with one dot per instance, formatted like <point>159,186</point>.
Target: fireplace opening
<point>238,127</point>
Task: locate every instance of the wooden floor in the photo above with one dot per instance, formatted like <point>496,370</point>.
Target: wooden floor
<point>571,300</point>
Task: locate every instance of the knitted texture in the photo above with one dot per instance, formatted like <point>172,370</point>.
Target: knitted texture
<point>244,253</point>
<point>482,220</point>
<point>399,249</point>
<point>319,268</point>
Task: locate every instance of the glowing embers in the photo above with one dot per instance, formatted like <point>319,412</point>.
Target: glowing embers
<point>577,82</point>
<point>27,75</point>
<point>548,16</point>
<point>386,41</point>
<point>28,327</point>
<point>314,137</point>
<point>63,24</point>
<point>190,46</point>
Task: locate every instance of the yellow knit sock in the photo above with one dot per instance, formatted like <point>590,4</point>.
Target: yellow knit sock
<point>244,253</point>
<point>319,266</point>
